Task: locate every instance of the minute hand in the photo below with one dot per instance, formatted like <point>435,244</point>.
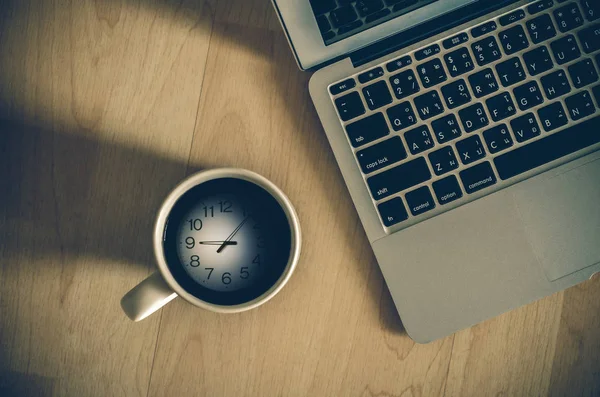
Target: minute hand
<point>222,246</point>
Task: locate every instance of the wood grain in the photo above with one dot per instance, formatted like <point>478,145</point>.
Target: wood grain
<point>104,107</point>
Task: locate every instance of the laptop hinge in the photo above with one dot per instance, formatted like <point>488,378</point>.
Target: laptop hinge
<point>425,30</point>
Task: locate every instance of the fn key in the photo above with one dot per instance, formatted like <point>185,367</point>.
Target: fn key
<point>392,212</point>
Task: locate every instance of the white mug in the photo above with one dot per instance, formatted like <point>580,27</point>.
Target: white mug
<point>179,279</point>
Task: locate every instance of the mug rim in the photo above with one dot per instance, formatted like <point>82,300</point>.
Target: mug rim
<point>220,173</point>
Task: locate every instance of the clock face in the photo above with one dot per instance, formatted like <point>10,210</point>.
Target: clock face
<point>227,241</point>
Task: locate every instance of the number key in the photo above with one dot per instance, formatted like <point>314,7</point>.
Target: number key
<point>591,9</point>
<point>568,17</point>
<point>459,62</point>
<point>431,73</point>
<point>513,40</point>
<point>541,28</point>
<point>404,84</point>
<point>377,95</point>
<point>486,50</point>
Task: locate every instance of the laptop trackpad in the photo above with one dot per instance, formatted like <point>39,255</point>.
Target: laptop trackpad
<point>561,216</point>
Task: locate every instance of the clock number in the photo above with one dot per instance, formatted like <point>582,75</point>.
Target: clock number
<point>260,242</point>
<point>256,260</point>
<point>210,270</point>
<point>226,278</point>
<point>209,210</point>
<point>190,243</point>
<point>244,273</point>
<point>257,226</point>
<point>195,261</point>
<point>225,206</point>
<point>195,224</point>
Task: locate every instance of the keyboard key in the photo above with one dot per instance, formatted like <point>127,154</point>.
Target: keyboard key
<point>540,6</point>
<point>377,15</point>
<point>484,29</point>
<point>552,116</point>
<point>478,177</point>
<point>470,149</point>
<point>447,190</point>
<point>590,38</point>
<point>349,27</point>
<point>525,127</point>
<point>328,35</point>
<point>429,105</point>
<point>427,52</point>
<point>324,25</point>
<point>446,128</point>
<point>392,212</point>
<point>431,73</point>
<point>483,83</point>
<point>497,139</point>
<point>349,106</point>
<point>538,61</point>
<point>568,17</point>
<point>342,16</point>
<point>366,7</point>
<point>367,130</point>
<point>455,41</point>
<point>381,155</point>
<point>399,63</point>
<point>541,28</point>
<point>420,201</point>
<point>322,6</point>
<point>459,62</point>
<point>370,75</point>
<point>399,178</point>
<point>596,91</point>
<point>443,160</point>
<point>580,105</point>
<point>583,73</point>
<point>591,9</point>
<point>404,84</point>
<point>456,94</point>
<point>528,95</point>
<point>486,51</point>
<point>473,117</point>
<point>512,17</point>
<point>547,149</point>
<point>510,72</point>
<point>501,106</point>
<point>513,40</point>
<point>565,49</point>
<point>555,84</point>
<point>418,139</point>
<point>401,116</point>
<point>340,87</point>
<point>377,95</point>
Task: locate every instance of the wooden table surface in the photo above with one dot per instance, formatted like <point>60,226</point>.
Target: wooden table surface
<point>105,106</point>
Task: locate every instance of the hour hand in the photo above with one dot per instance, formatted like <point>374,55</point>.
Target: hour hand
<point>217,242</point>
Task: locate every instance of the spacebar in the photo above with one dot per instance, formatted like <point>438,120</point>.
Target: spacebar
<point>548,149</point>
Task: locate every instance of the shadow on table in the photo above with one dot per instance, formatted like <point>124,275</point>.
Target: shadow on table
<point>69,194</point>
<point>15,384</point>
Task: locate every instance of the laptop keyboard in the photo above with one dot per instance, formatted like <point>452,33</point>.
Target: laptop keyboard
<point>338,19</point>
<point>464,114</point>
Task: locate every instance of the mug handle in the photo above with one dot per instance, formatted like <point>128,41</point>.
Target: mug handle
<point>147,297</point>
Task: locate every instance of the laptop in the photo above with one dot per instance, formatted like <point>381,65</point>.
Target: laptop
<point>468,135</point>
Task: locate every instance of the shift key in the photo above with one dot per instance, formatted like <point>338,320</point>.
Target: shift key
<point>399,178</point>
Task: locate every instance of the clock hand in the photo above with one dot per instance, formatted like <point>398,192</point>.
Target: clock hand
<point>232,234</point>
<point>217,242</point>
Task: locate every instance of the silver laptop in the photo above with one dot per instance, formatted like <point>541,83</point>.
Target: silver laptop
<point>468,134</point>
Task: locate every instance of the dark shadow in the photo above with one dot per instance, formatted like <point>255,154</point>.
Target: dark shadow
<point>15,384</point>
